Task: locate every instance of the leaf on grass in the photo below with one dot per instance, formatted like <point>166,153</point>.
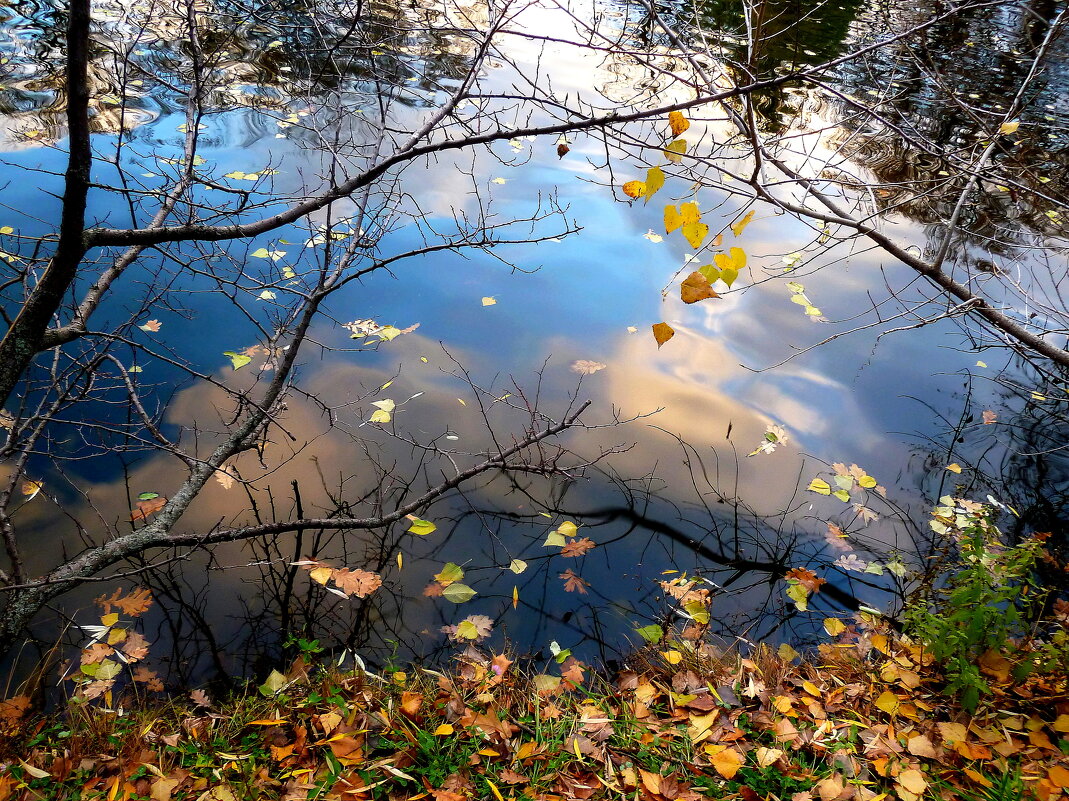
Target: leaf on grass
<point>573,583</point>
<point>695,288</point>
<point>725,760</point>
<point>662,332</point>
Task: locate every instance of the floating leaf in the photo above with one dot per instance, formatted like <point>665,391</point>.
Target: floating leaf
<point>800,595</point>
<point>1009,127</point>
<point>517,566</point>
<point>954,468</point>
<point>672,219</point>
<point>238,360</point>
<point>834,626</point>
<point>458,593</point>
<point>710,272</point>
<point>422,527</point>
<point>489,301</point>
<point>653,237</point>
<point>695,288</point>
<point>452,572</point>
<point>383,414</point>
<point>740,224</point>
<point>787,653</point>
<point>151,325</point>
<point>695,233</point>
<point>674,150</point>
<point>819,485</point>
<point>651,633</point>
<point>634,189</point>
<point>677,122</point>
<point>31,488</point>
<point>562,150</point>
<point>654,181</point>
<point>662,332</point>
<point>586,367</point>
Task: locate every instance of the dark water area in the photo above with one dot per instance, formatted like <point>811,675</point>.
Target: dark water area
<point>668,491</point>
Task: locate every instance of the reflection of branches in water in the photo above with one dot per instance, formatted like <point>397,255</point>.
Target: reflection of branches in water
<point>1020,459</point>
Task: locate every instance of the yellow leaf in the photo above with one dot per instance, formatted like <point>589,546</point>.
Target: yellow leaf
<point>785,651</point>
<point>380,416</point>
<point>767,756</point>
<point>689,212</point>
<point>321,575</point>
<point>677,122</point>
<point>567,529</point>
<point>834,626</point>
<point>811,688</point>
<point>820,486</point>
<point>1009,127</point>
<point>654,181</point>
<point>725,760</point>
<point>739,225</point>
<point>674,152</point>
<point>109,620</point>
<point>888,702</point>
<point>672,657</point>
<point>663,332</point>
<point>913,780</point>
<point>954,468</point>
<point>695,233</point>
<point>489,301</point>
<point>734,259</point>
<point>497,793</point>
<point>31,488</point>
<point>444,730</point>
<point>634,189</point>
<point>515,596</point>
<point>672,219</point>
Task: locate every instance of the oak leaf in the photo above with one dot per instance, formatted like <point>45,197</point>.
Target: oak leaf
<point>577,547</point>
<point>360,583</point>
<point>135,647</point>
<point>573,583</point>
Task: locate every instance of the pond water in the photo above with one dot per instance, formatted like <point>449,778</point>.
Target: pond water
<point>675,491</point>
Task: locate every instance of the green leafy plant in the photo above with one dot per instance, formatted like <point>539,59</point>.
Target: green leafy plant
<point>987,605</point>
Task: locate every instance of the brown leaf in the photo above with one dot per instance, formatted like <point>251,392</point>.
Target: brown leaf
<point>921,746</point>
<point>663,332</point>
<point>562,150</point>
<point>151,325</point>
<point>200,698</point>
<point>12,710</point>
<point>572,582</point>
<point>360,583</point>
<point>149,678</point>
<point>145,508</point>
<point>433,590</point>
<point>97,652</point>
<point>411,702</point>
<point>577,547</point>
<point>696,287</point>
<point>509,776</point>
<point>135,647</point>
<point>989,417</point>
<point>807,578</point>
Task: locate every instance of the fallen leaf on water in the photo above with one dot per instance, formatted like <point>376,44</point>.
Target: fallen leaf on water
<point>145,508</point>
<point>677,122</point>
<point>695,288</point>
<point>573,583</point>
<point>586,367</point>
<point>489,301</point>
<point>151,325</point>
<point>663,332</point>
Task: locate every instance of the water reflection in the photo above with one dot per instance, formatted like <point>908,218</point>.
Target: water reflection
<point>680,493</point>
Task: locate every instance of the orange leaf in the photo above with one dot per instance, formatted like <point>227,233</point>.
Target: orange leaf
<point>663,332</point>
<point>573,583</point>
<point>696,287</point>
<point>577,547</point>
<point>635,189</point>
<point>146,508</point>
<point>725,760</point>
<point>678,122</point>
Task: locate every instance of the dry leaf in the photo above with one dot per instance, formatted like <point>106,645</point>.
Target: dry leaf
<point>573,583</point>
<point>696,287</point>
<point>360,583</point>
<point>577,547</point>
<point>663,332</point>
<point>586,367</point>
